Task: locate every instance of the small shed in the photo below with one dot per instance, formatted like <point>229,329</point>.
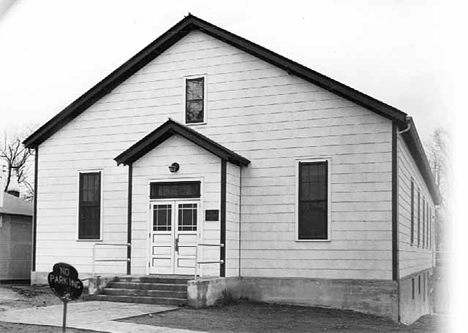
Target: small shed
<point>15,238</point>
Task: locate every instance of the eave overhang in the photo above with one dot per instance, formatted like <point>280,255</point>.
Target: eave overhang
<point>416,149</point>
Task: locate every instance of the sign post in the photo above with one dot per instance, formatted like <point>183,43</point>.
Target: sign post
<point>64,282</point>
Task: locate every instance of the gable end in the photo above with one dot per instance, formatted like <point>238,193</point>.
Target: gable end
<point>165,131</point>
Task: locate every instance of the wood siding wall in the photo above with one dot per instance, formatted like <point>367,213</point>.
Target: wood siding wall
<point>258,111</point>
<point>195,163</point>
<point>413,258</point>
<point>232,219</point>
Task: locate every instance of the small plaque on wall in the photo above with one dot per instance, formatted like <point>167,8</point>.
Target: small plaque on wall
<point>212,215</point>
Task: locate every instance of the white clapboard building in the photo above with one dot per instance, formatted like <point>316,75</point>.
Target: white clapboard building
<point>319,194</point>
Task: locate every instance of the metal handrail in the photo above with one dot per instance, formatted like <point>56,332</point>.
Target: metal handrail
<point>205,262</point>
<point>107,260</point>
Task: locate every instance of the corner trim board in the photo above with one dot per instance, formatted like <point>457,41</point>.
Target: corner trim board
<point>222,272</point>
<point>34,226</point>
<point>395,267</point>
<point>129,219</point>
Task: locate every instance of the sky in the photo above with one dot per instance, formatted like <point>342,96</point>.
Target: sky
<point>54,51</point>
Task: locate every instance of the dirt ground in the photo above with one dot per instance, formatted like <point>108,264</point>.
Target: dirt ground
<point>247,317</point>
<point>241,317</point>
<point>13,297</point>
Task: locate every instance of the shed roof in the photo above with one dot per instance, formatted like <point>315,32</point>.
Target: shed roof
<point>15,206</point>
<point>191,23</point>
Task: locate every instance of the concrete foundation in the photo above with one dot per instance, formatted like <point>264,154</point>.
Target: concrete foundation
<point>97,284</point>
<point>213,291</point>
<point>415,296</point>
<point>367,296</point>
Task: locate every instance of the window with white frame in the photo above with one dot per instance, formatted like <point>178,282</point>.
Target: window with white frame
<point>89,205</point>
<point>313,200</point>
<point>195,101</point>
<point>412,213</point>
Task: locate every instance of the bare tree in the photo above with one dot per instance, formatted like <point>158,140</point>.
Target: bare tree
<point>13,155</point>
<point>438,155</point>
<point>437,148</point>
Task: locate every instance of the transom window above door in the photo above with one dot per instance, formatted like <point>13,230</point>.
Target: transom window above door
<point>171,190</point>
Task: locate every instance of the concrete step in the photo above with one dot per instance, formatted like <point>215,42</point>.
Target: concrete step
<point>138,299</point>
<point>163,279</point>
<point>145,292</point>
<point>147,286</point>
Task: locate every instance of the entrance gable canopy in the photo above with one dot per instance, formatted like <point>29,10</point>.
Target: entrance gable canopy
<point>165,131</point>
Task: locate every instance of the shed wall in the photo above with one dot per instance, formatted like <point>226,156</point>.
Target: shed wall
<point>15,247</point>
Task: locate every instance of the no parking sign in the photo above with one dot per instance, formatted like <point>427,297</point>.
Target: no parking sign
<point>64,282</point>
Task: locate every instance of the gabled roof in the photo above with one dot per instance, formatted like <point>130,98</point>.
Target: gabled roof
<point>173,35</point>
<point>15,206</point>
<point>191,23</point>
<point>170,128</point>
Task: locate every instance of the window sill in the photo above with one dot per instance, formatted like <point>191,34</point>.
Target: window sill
<point>313,240</point>
<point>195,124</point>
<point>89,240</point>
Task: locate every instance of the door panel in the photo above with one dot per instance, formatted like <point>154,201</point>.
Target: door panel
<point>162,245</point>
<point>186,234</point>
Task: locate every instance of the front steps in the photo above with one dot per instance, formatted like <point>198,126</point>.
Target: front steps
<point>157,289</point>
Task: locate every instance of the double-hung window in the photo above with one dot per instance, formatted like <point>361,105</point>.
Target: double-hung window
<point>412,213</point>
<point>89,207</point>
<point>419,218</point>
<point>313,203</point>
<point>424,222</point>
<point>195,100</point>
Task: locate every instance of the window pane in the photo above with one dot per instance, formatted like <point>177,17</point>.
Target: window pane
<point>194,111</point>
<point>313,200</point>
<point>195,89</point>
<point>162,217</point>
<point>187,217</point>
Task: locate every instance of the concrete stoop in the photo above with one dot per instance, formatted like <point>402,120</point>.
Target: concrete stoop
<point>169,290</point>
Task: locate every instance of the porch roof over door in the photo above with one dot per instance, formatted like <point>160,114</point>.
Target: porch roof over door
<point>170,128</point>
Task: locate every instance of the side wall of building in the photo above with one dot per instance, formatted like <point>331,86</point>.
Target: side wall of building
<point>415,239</point>
<point>233,202</point>
<point>415,252</point>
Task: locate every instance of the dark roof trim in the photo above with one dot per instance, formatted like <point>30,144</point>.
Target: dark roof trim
<point>416,149</point>
<point>172,36</point>
<point>15,214</point>
<point>165,131</point>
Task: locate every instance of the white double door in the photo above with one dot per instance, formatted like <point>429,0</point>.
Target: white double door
<point>173,236</point>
